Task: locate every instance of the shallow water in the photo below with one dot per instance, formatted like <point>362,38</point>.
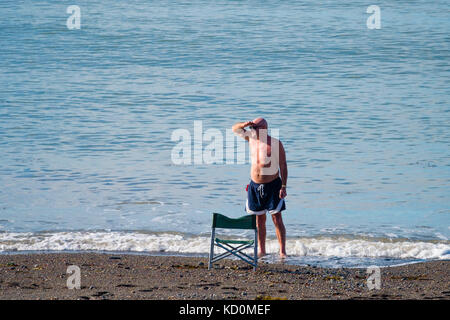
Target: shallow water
<point>86,116</point>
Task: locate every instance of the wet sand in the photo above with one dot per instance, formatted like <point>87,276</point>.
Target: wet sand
<point>111,276</point>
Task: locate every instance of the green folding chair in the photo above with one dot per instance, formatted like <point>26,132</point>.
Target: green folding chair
<point>233,247</point>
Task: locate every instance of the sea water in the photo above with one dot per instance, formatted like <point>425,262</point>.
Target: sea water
<point>87,117</point>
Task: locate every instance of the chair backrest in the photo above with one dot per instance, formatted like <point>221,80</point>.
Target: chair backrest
<point>245,222</point>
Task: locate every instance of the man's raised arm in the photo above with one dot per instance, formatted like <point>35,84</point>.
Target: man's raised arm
<point>238,128</point>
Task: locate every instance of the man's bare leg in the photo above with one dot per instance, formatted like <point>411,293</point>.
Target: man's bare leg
<point>281,233</point>
<point>261,225</point>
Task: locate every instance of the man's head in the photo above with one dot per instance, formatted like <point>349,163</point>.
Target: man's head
<point>259,123</point>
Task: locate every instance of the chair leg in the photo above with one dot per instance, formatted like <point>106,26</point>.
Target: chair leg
<point>211,250</point>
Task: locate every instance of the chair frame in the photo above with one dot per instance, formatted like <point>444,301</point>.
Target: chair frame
<point>233,250</point>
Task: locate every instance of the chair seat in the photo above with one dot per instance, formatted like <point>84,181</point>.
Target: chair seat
<point>235,241</point>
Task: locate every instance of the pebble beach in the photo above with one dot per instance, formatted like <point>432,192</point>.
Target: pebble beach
<point>136,277</point>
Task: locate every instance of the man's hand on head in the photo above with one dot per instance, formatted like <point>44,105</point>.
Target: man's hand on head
<point>248,124</point>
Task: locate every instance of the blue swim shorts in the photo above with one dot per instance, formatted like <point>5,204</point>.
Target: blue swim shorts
<point>264,197</point>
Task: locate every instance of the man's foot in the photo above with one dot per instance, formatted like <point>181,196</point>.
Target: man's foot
<point>283,255</point>
<point>261,254</point>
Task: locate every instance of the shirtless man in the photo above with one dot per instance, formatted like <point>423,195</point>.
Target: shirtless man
<point>266,191</point>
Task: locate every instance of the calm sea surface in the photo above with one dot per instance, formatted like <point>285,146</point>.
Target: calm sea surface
<point>86,118</point>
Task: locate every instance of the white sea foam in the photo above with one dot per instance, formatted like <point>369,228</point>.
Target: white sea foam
<point>184,244</point>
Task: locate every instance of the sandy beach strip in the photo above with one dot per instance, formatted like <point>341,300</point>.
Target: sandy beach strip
<point>125,276</point>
